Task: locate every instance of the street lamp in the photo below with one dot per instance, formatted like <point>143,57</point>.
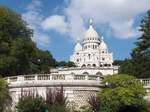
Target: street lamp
<point>107,84</point>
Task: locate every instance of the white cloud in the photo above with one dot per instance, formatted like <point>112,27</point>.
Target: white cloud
<point>34,19</point>
<point>124,30</point>
<point>119,14</point>
<point>55,22</point>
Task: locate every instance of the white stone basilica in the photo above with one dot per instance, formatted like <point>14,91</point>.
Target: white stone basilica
<point>93,51</point>
<point>93,62</point>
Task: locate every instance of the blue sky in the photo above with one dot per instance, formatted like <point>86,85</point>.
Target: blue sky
<point>59,24</point>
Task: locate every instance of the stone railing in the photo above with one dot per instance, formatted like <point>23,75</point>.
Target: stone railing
<point>53,80</point>
<point>145,82</point>
<point>60,79</point>
<point>81,68</point>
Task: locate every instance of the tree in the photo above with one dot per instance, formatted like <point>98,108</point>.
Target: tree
<point>71,64</point>
<point>117,62</point>
<point>126,67</point>
<point>42,61</point>
<point>141,53</point>
<point>18,53</point>
<point>5,98</point>
<point>65,64</point>
<point>122,93</point>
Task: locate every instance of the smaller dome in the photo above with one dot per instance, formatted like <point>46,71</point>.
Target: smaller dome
<point>78,47</point>
<point>103,44</point>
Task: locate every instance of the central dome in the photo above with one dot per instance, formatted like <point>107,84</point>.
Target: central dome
<point>91,33</point>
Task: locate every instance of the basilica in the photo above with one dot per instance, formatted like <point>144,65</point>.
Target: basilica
<point>93,61</point>
<point>93,51</point>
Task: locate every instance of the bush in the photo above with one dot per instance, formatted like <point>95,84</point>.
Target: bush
<point>31,102</point>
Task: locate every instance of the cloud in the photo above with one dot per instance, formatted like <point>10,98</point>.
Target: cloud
<point>34,18</point>
<point>56,23</point>
<point>125,30</point>
<point>118,14</point>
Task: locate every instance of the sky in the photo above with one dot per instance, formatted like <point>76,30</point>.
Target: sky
<point>59,24</point>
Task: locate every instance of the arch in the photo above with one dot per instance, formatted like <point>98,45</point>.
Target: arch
<point>105,65</point>
<point>85,73</point>
<point>109,65</point>
<point>99,73</point>
<point>72,73</point>
<point>94,65</point>
<point>83,65</point>
<point>101,65</point>
<point>89,65</point>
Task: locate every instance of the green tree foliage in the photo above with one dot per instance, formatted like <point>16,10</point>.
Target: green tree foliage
<point>122,93</point>
<point>65,64</point>
<point>41,62</point>
<point>141,54</point>
<point>126,67</point>
<point>5,98</point>
<point>18,53</point>
<point>117,62</point>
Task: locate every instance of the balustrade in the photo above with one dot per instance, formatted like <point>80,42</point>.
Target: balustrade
<point>145,82</point>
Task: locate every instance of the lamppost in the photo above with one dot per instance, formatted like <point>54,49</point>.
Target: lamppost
<point>107,84</point>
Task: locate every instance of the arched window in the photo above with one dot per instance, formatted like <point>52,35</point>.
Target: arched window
<point>105,65</point>
<point>89,65</point>
<point>103,59</point>
<point>83,65</point>
<point>72,73</point>
<point>85,73</point>
<point>94,65</point>
<point>100,75</point>
<point>89,56</point>
<point>101,65</point>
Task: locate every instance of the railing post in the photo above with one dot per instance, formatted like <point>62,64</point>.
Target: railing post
<point>86,77</point>
<point>50,77</point>
<point>8,80</point>
<point>36,77</point>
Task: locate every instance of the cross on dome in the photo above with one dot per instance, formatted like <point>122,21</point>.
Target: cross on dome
<point>90,21</point>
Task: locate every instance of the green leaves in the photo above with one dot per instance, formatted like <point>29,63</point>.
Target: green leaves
<point>141,53</point>
<point>18,53</point>
<point>5,98</point>
<point>122,92</point>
